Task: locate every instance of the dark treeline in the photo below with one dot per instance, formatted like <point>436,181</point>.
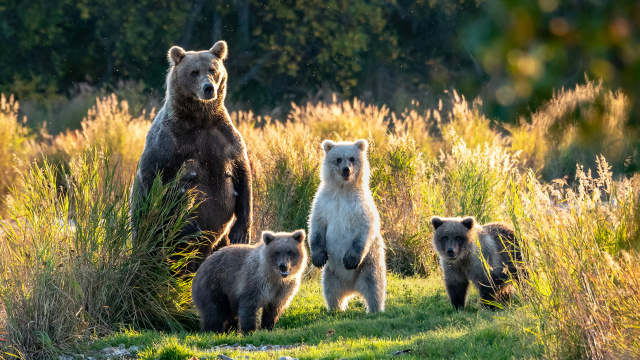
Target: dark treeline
<point>511,53</point>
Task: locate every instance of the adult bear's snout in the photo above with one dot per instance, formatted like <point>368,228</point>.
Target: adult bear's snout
<point>207,88</point>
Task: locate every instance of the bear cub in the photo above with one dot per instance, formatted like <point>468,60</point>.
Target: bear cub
<point>344,229</point>
<point>460,242</point>
<point>237,280</point>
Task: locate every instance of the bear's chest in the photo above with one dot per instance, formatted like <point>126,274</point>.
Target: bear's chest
<point>214,150</point>
<point>346,219</point>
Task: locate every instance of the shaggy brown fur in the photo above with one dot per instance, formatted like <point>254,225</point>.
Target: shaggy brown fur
<point>236,281</point>
<point>193,130</point>
<point>455,241</point>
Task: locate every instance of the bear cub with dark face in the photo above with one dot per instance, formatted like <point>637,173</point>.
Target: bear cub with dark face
<point>460,242</point>
<point>236,281</point>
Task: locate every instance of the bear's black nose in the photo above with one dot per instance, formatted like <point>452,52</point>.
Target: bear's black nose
<point>283,267</point>
<point>208,90</point>
<point>345,170</point>
<point>451,253</point>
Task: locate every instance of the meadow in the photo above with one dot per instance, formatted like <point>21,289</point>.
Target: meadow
<point>72,283</point>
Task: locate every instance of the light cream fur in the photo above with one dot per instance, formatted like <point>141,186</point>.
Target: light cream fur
<point>344,228</point>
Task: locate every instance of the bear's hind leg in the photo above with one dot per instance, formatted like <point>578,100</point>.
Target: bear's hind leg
<point>372,285</point>
<point>335,290</point>
<point>212,318</point>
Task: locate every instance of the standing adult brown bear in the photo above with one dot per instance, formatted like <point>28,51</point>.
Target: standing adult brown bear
<point>193,131</point>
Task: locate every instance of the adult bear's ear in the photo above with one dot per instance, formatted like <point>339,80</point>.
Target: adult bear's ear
<point>436,222</point>
<point>176,54</point>
<point>328,145</point>
<point>267,237</point>
<point>219,50</point>
<point>362,144</point>
<point>299,235</point>
<point>468,222</point>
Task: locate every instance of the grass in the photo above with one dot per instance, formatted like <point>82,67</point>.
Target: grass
<point>66,230</point>
<point>418,317</point>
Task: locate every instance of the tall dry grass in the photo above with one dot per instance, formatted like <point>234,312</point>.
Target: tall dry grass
<point>13,138</point>
<point>574,127</point>
<point>580,232</point>
<point>68,269</point>
<point>582,252</point>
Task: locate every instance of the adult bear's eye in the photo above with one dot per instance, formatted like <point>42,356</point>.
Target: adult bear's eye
<point>339,160</point>
<point>445,238</point>
<point>195,73</point>
<point>212,70</point>
<point>290,253</point>
<point>352,159</point>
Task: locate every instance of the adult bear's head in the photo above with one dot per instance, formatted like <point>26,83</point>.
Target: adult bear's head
<point>198,75</point>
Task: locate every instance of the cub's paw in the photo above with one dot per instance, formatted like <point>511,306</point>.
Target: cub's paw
<point>350,260</point>
<point>319,258</point>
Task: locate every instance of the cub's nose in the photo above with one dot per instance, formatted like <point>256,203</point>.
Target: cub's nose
<point>283,267</point>
<point>345,171</point>
<point>208,90</point>
<point>451,253</point>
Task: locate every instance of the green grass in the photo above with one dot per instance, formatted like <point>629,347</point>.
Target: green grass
<point>418,317</point>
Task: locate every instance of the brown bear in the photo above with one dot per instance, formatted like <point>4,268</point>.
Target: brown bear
<point>236,281</point>
<point>193,132</point>
<point>460,242</point>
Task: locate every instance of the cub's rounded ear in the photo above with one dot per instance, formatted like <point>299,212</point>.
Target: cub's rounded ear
<point>436,222</point>
<point>468,222</point>
<point>299,235</point>
<point>219,49</point>
<point>328,145</point>
<point>176,54</point>
<point>362,144</point>
<point>267,237</point>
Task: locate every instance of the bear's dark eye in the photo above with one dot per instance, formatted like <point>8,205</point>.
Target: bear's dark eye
<point>290,253</point>
<point>459,238</point>
<point>339,160</point>
<point>277,254</point>
<point>212,70</point>
<point>352,159</point>
<point>195,73</point>
<point>445,238</point>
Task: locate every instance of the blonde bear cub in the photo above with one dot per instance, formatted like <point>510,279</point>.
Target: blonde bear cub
<point>344,228</point>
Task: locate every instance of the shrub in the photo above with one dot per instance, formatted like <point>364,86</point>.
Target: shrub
<point>68,268</point>
<point>583,286</point>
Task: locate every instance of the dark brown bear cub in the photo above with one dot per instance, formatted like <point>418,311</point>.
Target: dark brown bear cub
<point>236,281</point>
<point>460,242</point>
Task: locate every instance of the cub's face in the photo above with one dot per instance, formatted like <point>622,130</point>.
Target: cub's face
<point>200,74</point>
<point>344,162</point>
<point>286,253</point>
<point>452,236</point>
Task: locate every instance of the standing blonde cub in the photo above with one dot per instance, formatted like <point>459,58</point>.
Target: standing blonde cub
<point>344,228</point>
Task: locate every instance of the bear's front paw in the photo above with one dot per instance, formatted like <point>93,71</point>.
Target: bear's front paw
<point>319,258</point>
<point>238,236</point>
<point>351,260</point>
<point>191,229</point>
